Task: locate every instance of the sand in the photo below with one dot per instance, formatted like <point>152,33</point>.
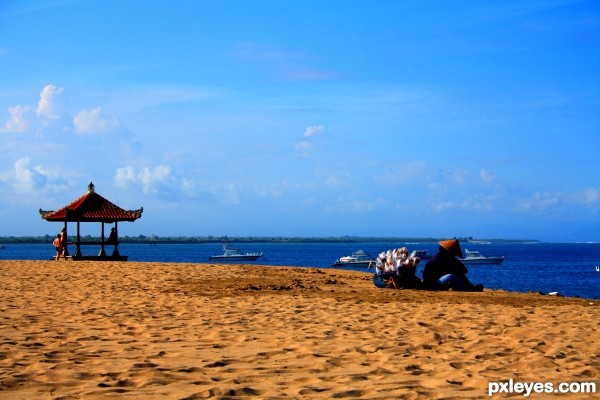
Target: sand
<point>91,330</point>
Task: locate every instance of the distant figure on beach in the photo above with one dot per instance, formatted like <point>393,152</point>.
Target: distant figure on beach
<point>444,271</point>
<point>57,243</point>
<point>112,238</point>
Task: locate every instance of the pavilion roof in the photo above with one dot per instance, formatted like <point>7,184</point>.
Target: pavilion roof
<point>91,207</point>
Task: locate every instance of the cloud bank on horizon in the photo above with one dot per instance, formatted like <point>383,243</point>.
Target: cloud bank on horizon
<point>395,120</point>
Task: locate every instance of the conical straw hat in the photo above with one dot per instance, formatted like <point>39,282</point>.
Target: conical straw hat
<point>452,246</point>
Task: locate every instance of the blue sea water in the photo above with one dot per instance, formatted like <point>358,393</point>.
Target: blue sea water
<point>567,268</point>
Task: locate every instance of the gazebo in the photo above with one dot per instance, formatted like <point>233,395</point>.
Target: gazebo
<point>91,207</point>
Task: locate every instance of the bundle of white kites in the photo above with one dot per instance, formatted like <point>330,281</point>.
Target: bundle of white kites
<point>391,262</point>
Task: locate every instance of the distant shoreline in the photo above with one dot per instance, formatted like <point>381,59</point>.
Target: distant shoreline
<point>258,239</point>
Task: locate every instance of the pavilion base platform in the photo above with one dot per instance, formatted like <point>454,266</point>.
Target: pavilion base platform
<point>101,258</point>
<point>61,258</point>
<point>93,258</point>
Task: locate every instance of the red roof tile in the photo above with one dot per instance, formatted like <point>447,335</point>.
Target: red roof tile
<point>91,207</point>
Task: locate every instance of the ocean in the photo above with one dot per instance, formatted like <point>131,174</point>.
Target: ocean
<point>566,268</point>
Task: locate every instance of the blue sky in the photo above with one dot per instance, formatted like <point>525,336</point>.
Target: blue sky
<point>305,118</point>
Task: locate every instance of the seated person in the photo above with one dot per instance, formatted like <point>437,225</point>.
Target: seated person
<point>407,274</point>
<point>444,271</point>
<point>112,238</point>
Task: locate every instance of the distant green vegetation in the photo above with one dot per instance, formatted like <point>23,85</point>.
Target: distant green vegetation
<point>249,239</point>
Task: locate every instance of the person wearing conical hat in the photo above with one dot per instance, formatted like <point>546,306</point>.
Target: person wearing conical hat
<point>444,271</point>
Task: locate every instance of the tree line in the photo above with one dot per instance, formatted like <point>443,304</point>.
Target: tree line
<point>245,239</point>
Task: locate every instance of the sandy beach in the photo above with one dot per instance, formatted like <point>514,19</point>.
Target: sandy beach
<point>91,330</point>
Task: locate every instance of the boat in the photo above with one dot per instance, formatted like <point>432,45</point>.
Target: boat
<point>474,257</point>
<point>357,259</point>
<point>480,242</point>
<point>234,254</point>
<point>422,254</point>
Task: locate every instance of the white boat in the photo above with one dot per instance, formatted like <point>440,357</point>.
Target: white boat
<point>422,254</point>
<point>234,254</point>
<point>474,257</point>
<point>357,259</point>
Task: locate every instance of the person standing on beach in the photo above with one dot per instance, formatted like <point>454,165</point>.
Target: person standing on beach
<point>444,271</point>
<point>57,243</point>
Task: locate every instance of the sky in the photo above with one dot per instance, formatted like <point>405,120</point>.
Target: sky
<point>309,118</point>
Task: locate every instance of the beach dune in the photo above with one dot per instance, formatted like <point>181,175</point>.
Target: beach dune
<point>91,330</point>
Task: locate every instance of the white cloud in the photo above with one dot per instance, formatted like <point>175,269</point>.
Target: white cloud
<point>150,180</point>
<point>50,110</point>
<point>588,197</point>
<point>486,176</point>
<point>547,201</point>
<point>306,146</point>
<point>21,119</point>
<point>334,179</point>
<point>94,121</point>
<point>51,105</point>
<point>303,145</point>
<point>444,206</point>
<point>538,202</point>
<point>221,192</point>
<point>161,182</point>
<point>352,206</point>
<point>312,130</point>
<point>27,179</point>
<point>458,177</point>
<point>479,203</point>
<point>275,190</point>
<point>402,172</point>
<point>282,63</point>
<point>226,193</point>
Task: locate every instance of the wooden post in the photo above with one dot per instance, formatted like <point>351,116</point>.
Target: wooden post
<point>116,250</point>
<point>77,243</point>
<point>102,252</point>
<point>66,253</point>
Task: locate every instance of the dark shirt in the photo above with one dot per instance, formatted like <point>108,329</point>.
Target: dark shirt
<point>443,263</point>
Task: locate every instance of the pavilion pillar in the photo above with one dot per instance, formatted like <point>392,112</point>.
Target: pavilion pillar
<point>102,252</point>
<point>66,241</point>
<point>78,243</point>
<point>116,250</point>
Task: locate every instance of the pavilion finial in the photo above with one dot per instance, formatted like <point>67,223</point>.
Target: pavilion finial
<point>91,187</point>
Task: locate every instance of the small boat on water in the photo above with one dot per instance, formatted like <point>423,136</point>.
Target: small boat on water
<point>357,259</point>
<point>474,257</point>
<point>422,254</point>
<point>234,254</point>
